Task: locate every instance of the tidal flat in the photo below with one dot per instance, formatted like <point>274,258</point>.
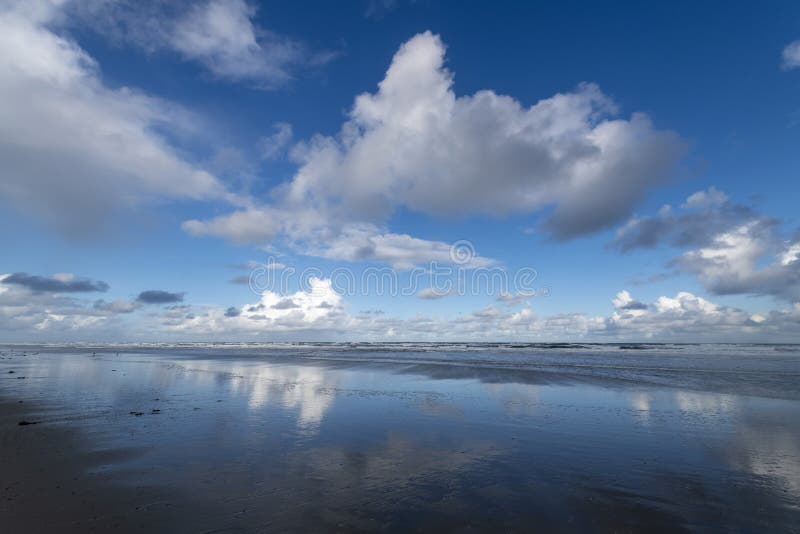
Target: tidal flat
<point>399,437</point>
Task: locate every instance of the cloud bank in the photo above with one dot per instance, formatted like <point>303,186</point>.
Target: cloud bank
<point>322,313</point>
<point>319,312</point>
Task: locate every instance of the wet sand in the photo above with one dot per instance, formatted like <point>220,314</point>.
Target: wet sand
<point>219,440</point>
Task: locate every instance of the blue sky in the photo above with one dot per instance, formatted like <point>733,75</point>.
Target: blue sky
<point>177,147</point>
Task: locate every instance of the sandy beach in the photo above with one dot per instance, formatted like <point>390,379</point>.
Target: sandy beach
<point>337,438</point>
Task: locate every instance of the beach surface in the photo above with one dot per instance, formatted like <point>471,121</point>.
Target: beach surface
<point>399,437</point>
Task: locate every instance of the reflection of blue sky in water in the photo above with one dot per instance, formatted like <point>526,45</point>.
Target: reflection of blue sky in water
<point>757,442</point>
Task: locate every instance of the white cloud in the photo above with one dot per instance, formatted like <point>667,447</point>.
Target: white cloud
<point>319,312</point>
<point>368,243</point>
<point>747,259</point>
<point>685,316</point>
<point>791,55</point>
<point>705,199</point>
<point>700,218</point>
<point>415,144</point>
<point>220,35</point>
<point>790,255</point>
<point>732,249</point>
<point>624,302</point>
<point>317,308</point>
<point>28,312</point>
<point>247,226</point>
<point>259,225</point>
<point>74,150</point>
<point>307,232</point>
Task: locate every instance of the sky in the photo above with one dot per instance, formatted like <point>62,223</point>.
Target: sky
<point>233,170</point>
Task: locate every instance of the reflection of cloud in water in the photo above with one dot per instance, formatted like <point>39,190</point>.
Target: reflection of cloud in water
<point>705,403</point>
<point>304,389</point>
<point>311,395</point>
<point>518,399</point>
<point>699,406</point>
<point>770,449</point>
<point>430,405</point>
<point>640,402</point>
<point>395,464</point>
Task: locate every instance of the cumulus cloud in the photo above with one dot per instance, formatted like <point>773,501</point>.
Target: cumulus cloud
<point>731,248</point>
<point>685,316</point>
<point>60,283</point>
<point>319,308</point>
<point>415,144</point>
<point>157,296</point>
<point>623,301</point>
<point>747,259</point>
<point>791,55</point>
<point>74,150</point>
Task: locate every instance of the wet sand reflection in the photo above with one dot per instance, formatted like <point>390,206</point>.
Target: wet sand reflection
<point>245,443</point>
